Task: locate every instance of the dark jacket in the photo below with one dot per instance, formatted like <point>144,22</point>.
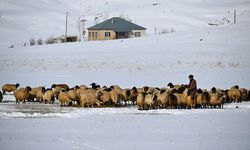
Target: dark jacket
<point>192,87</point>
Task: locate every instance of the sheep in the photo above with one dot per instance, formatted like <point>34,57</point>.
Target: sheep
<point>115,97</point>
<point>95,86</point>
<point>248,95</point>
<point>39,94</point>
<point>64,98</point>
<point>201,98</point>
<point>89,98</point>
<point>173,100</point>
<point>104,96</point>
<point>35,93</point>
<point>126,95</point>
<point>181,95</point>
<point>73,95</point>
<point>65,86</point>
<point>235,87</point>
<point>191,102</point>
<point>244,93</point>
<point>234,95</point>
<point>22,94</point>
<point>10,87</point>
<point>162,99</point>
<point>1,96</point>
<point>57,88</point>
<point>172,86</point>
<point>48,96</point>
<point>150,99</point>
<point>134,93</point>
<point>140,101</point>
<point>216,99</point>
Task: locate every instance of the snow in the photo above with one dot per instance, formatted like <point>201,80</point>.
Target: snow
<point>216,55</point>
<point>122,128</point>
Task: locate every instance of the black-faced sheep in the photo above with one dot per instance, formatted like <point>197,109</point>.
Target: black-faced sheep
<point>22,94</point>
<point>244,94</point>
<point>150,100</point>
<point>10,87</point>
<point>216,99</point>
<point>140,101</point>
<point>134,93</point>
<point>64,98</point>
<point>1,96</point>
<point>202,99</point>
<point>48,96</point>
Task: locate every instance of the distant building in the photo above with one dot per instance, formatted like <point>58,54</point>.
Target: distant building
<point>61,39</point>
<point>115,28</point>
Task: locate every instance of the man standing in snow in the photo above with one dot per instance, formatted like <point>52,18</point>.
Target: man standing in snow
<point>192,87</point>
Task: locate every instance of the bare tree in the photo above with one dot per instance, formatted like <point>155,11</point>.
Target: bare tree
<point>32,41</point>
<point>39,41</point>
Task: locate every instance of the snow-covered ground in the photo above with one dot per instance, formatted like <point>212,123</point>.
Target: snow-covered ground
<point>217,56</point>
<point>40,126</point>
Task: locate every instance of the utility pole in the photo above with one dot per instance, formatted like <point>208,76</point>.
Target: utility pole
<point>66,26</point>
<point>235,16</point>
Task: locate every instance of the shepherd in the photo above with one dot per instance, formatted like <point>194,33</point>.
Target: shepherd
<point>192,87</point>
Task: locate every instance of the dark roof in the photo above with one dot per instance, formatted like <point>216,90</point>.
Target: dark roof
<point>116,24</point>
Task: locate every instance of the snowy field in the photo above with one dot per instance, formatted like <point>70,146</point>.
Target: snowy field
<point>216,55</point>
<point>40,126</point>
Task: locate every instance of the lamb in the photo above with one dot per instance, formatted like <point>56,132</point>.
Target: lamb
<point>48,96</point>
<point>64,98</point>
<point>22,94</point>
<point>140,101</point>
<point>10,87</point>
<point>89,98</point>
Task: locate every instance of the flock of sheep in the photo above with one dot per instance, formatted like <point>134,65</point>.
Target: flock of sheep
<point>171,97</point>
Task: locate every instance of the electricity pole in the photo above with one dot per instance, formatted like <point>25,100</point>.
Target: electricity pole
<point>235,16</point>
<point>66,26</point>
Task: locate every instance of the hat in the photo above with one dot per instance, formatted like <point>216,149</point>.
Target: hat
<point>190,76</point>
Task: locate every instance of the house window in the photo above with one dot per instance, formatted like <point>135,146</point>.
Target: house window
<point>107,34</point>
<point>95,34</point>
<point>137,34</point>
<point>89,34</point>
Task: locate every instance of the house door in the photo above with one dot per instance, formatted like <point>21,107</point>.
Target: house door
<point>122,35</point>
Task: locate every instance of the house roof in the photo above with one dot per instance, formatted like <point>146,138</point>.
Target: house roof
<point>117,24</point>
